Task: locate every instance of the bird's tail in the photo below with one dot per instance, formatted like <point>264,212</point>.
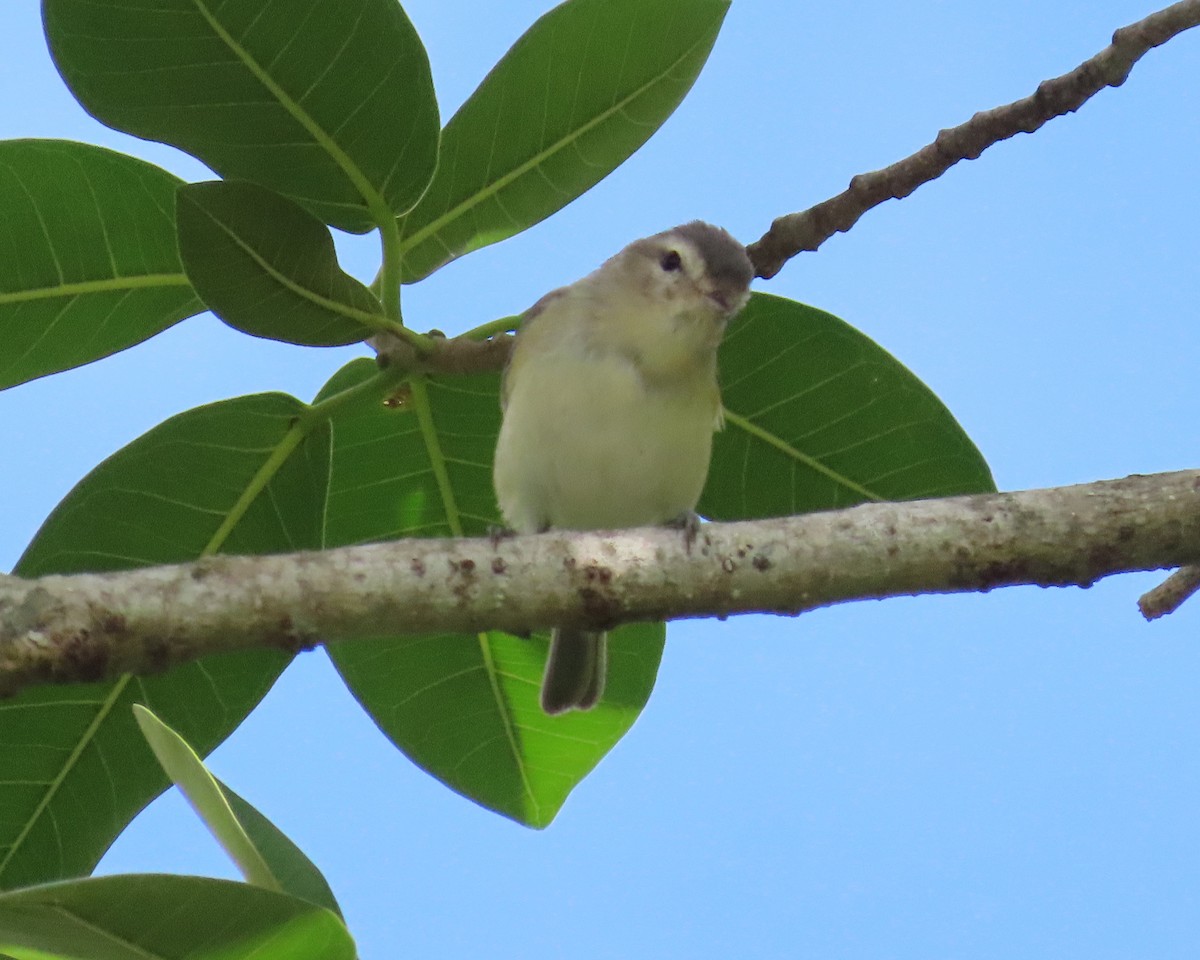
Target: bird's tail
<point>574,677</point>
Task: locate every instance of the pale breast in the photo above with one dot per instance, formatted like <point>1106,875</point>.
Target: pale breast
<point>586,444</point>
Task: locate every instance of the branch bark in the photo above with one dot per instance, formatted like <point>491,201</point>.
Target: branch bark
<point>86,627</point>
<point>1169,595</point>
<point>457,356</point>
<point>806,231</point>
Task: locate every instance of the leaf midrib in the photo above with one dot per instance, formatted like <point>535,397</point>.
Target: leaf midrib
<point>271,465</point>
<point>771,439</point>
<point>106,935</point>
<point>83,287</point>
<point>55,785</point>
<point>437,460</point>
<point>415,239</point>
<point>374,200</point>
<point>373,321</point>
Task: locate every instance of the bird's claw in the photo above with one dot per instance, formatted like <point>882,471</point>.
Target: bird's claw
<point>689,523</point>
<point>498,532</point>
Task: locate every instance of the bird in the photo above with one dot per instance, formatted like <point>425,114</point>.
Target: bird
<point>610,400</point>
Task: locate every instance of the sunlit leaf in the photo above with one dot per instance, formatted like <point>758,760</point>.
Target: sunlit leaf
<point>166,917</point>
<point>327,101</point>
<point>267,267</point>
<point>464,707</point>
<point>73,767</point>
<point>88,263</point>
<point>263,854</point>
<point>296,874</point>
<point>188,773</point>
<point>819,417</point>
<point>585,86</point>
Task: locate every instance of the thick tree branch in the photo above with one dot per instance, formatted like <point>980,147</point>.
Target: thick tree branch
<point>62,629</point>
<point>806,231</point>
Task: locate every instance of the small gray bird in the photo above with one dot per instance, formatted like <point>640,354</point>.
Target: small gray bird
<point>610,401</point>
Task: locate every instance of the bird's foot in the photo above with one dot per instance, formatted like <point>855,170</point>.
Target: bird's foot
<point>689,523</point>
<point>498,532</point>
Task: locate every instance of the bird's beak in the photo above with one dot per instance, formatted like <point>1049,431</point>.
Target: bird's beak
<point>729,303</point>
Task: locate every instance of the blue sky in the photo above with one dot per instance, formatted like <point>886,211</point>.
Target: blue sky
<point>983,776</point>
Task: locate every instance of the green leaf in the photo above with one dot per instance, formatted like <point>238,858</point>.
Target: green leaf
<point>263,854</point>
<point>818,416</point>
<point>188,773</point>
<point>88,264</point>
<point>165,917</point>
<point>465,708</point>
<point>327,101</point>
<point>268,268</point>
<point>241,476</point>
<point>585,86</point>
<point>296,874</point>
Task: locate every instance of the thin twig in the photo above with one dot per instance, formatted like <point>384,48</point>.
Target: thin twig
<point>460,356</point>
<point>807,230</point>
<point>1169,595</point>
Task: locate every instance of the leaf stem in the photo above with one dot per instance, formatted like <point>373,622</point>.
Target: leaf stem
<point>379,383</point>
<point>493,327</point>
<point>389,273</point>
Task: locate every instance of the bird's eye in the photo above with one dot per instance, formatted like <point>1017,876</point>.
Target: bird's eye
<point>671,261</point>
